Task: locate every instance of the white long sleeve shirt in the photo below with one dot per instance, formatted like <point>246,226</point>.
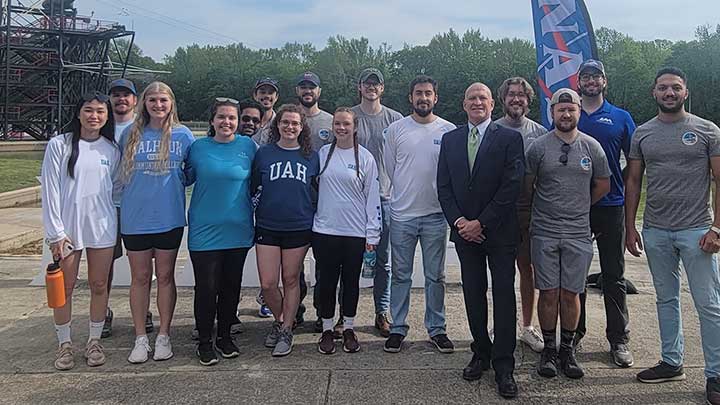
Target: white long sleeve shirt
<point>411,159</point>
<point>80,208</point>
<point>349,205</point>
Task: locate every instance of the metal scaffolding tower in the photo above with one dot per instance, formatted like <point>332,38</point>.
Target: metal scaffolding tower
<point>49,57</point>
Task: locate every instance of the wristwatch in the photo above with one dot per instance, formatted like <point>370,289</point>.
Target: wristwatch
<point>716,230</point>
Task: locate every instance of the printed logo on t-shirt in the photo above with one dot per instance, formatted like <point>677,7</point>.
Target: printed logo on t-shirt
<point>324,134</point>
<point>278,170</point>
<point>105,162</point>
<point>605,120</point>
<point>585,163</point>
<point>351,166</point>
<point>689,138</point>
<point>384,132</point>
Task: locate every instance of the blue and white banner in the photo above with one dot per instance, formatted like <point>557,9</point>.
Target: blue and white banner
<point>564,38</point>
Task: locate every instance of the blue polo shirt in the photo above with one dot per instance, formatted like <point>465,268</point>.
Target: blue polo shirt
<point>613,128</point>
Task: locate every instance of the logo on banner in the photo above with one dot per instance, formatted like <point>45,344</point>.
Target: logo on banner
<point>689,138</point>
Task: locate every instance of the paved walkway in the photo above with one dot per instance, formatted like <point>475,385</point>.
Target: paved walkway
<point>417,375</point>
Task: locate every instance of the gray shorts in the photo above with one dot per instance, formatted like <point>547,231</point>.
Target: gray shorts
<point>561,263</point>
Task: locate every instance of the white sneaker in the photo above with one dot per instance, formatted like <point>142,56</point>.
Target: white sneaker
<point>163,348</point>
<point>139,353</point>
<point>531,337</point>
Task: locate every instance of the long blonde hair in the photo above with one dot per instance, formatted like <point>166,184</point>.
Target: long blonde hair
<point>143,119</point>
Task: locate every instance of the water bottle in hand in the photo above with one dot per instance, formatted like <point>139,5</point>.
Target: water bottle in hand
<point>369,259</point>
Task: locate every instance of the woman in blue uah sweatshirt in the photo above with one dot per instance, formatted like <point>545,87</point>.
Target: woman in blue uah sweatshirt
<point>152,211</point>
<point>285,169</point>
<point>220,226</point>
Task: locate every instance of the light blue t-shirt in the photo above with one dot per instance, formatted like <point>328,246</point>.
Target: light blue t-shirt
<point>220,215</point>
<point>153,200</point>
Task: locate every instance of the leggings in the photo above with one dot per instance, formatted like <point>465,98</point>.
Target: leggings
<point>218,275</point>
<point>338,257</point>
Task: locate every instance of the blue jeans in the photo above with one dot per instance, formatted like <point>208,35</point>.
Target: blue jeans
<point>381,282</point>
<point>431,230</point>
<point>665,249</point>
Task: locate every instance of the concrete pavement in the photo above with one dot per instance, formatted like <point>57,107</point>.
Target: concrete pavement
<point>418,374</point>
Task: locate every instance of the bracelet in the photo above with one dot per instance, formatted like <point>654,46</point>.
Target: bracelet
<point>716,230</point>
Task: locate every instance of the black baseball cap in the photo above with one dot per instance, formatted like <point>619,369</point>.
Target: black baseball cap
<point>267,81</point>
<point>592,64</point>
<point>308,77</point>
<point>123,83</point>
<point>367,73</point>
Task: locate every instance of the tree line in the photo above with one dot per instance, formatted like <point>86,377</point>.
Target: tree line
<point>200,73</point>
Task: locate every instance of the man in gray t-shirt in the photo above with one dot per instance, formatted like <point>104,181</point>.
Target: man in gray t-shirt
<point>569,172</point>
<point>373,119</point>
<point>681,154</point>
<point>318,121</point>
<point>515,94</point>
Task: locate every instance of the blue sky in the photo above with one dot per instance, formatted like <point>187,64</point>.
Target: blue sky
<point>164,25</point>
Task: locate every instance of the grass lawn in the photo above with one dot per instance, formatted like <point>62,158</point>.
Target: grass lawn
<point>18,170</point>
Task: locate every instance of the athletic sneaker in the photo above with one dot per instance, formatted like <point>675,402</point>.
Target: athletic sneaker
<point>712,391</point>
<point>226,347</point>
<point>206,354</point>
<point>531,337</point>
<point>236,327</point>
<point>393,344</point>
<point>284,344</point>
<point>64,359</point>
<point>318,326</point>
<point>163,348</point>
<point>662,372</point>
<point>272,338</point>
<point>139,353</point>
<point>569,365</point>
<point>107,327</point>
<point>621,355</point>
<point>326,344</point>
<point>350,341</point>
<point>547,366</point>
<point>94,353</point>
<point>149,327</point>
<point>443,343</point>
<point>264,311</point>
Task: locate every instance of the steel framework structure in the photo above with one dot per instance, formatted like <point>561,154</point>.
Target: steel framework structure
<point>49,57</point>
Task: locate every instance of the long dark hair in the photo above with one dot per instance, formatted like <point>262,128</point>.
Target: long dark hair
<point>222,102</point>
<point>303,138</point>
<point>107,131</point>
<point>355,141</point>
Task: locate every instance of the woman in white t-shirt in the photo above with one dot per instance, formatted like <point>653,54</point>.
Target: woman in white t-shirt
<point>347,223</point>
<point>78,178</point>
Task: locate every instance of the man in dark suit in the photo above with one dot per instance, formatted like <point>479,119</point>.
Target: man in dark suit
<point>480,172</point>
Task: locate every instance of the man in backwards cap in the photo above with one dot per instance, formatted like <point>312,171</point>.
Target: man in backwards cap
<point>568,172</point>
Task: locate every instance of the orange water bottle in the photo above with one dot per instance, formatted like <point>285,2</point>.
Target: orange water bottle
<point>55,285</point>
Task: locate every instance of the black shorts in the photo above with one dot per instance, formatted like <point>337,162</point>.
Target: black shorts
<point>118,252</point>
<point>169,240</point>
<point>283,239</point>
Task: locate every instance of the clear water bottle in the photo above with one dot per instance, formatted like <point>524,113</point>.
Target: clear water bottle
<point>369,260</point>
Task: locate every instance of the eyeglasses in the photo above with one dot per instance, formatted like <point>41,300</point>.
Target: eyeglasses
<point>226,100</point>
<point>565,148</point>
<point>586,77</point>
<point>247,118</point>
<point>512,95</point>
<point>287,123</point>
<point>95,95</point>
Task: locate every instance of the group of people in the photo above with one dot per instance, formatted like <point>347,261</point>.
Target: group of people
<point>368,181</point>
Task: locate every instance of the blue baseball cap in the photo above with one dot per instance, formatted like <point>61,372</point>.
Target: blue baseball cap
<point>592,64</point>
<point>123,83</point>
<point>309,77</point>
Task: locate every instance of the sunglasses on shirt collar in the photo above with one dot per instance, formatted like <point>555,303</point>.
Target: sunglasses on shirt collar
<point>565,148</point>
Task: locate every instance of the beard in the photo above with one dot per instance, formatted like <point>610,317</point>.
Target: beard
<point>308,104</point>
<point>247,129</point>
<point>514,113</point>
<point>671,110</point>
<point>591,93</point>
<point>566,126</point>
<point>423,111</point>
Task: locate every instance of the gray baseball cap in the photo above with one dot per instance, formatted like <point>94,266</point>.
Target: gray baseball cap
<point>367,73</point>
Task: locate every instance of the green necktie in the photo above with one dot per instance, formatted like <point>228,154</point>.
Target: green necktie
<point>472,146</point>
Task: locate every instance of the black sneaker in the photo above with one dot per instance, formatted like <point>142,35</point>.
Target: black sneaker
<point>107,327</point>
<point>206,354</point>
<point>712,391</point>
<point>226,347</point>
<point>317,326</point>
<point>326,344</point>
<point>569,365</point>
<point>547,366</point>
<point>443,343</point>
<point>149,327</point>
<point>394,343</point>
<point>621,355</point>
<point>663,372</point>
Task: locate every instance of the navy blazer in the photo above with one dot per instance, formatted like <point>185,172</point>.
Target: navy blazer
<point>489,192</point>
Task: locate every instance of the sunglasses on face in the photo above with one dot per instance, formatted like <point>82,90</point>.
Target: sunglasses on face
<point>95,95</point>
<point>565,148</point>
<point>226,100</point>
<point>247,118</point>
